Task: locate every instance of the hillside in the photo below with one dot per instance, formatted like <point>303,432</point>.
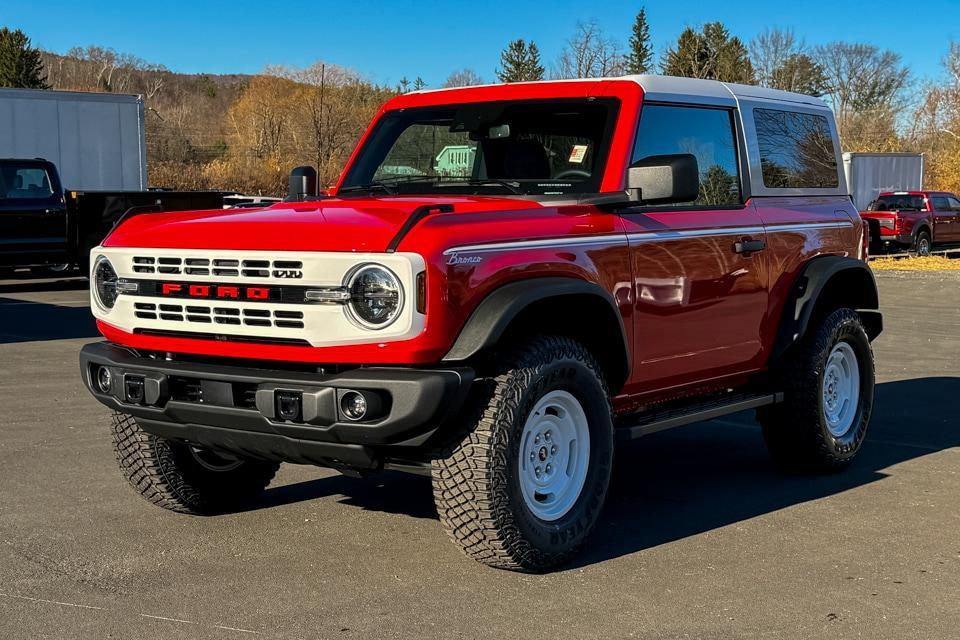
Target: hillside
<point>231,132</point>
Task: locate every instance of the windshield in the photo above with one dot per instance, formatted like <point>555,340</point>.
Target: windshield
<point>529,148</point>
<point>897,202</point>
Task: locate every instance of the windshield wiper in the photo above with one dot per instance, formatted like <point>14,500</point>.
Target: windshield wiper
<point>513,187</point>
<point>389,183</point>
<point>370,186</point>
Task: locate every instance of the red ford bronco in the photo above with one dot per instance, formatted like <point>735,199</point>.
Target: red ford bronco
<point>505,282</point>
<point>913,220</point>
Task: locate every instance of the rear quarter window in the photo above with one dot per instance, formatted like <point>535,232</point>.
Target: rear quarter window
<point>796,150</point>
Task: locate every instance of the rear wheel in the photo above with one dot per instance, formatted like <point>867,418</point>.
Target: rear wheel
<point>183,477</point>
<point>524,486</point>
<point>828,384</point>
<point>923,244</point>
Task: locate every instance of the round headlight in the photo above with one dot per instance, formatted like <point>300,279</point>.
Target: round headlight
<point>105,283</point>
<point>376,297</point>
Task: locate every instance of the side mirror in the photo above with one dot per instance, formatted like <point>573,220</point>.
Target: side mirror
<point>302,184</point>
<point>664,179</point>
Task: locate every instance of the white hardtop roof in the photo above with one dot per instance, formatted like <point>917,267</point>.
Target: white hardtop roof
<point>671,88</point>
<point>676,89</point>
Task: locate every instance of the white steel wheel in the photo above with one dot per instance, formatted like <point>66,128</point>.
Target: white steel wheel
<point>554,455</point>
<point>840,390</point>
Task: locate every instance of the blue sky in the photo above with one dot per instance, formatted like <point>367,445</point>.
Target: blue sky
<point>389,40</point>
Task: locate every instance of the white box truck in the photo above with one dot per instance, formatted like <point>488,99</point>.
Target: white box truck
<point>71,165</point>
<point>870,173</point>
<point>96,140</point>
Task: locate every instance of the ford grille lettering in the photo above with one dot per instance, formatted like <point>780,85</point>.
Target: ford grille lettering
<point>221,292</point>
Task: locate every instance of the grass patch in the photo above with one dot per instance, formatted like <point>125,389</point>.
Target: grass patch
<point>913,263</point>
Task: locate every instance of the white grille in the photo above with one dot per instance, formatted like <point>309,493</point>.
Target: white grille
<point>234,315</point>
<point>320,325</point>
<point>223,267</point>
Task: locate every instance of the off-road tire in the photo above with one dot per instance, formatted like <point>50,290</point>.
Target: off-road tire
<point>168,475</point>
<point>796,430</point>
<point>923,240</point>
<point>476,484</point>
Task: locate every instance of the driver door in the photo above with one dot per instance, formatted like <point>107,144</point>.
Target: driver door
<point>701,295</point>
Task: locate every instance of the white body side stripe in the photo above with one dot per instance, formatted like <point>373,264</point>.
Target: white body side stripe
<point>642,236</point>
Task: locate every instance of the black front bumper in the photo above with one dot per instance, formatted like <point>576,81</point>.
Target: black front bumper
<point>234,408</point>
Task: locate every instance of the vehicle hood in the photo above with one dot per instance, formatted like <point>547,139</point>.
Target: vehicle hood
<point>335,224</point>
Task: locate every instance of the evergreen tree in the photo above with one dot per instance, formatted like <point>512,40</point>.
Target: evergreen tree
<point>520,62</point>
<point>640,58</point>
<point>800,73</point>
<point>419,84</point>
<point>20,64</point>
<point>711,53</point>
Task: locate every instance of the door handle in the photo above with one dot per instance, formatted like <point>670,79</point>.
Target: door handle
<point>747,245</point>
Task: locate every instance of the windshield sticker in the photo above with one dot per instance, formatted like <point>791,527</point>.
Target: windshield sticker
<point>578,153</point>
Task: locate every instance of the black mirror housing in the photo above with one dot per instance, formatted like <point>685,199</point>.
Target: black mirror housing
<point>302,184</point>
<point>664,179</point>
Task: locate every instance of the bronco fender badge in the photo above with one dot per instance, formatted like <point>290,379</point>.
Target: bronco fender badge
<point>456,258</point>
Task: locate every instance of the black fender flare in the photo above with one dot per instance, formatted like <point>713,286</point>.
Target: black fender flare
<point>490,319</point>
<point>805,294</point>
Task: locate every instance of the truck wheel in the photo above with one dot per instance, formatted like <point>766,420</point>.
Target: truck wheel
<point>923,244</point>
<point>828,396</point>
<point>184,478</point>
<point>524,486</point>
<point>51,271</point>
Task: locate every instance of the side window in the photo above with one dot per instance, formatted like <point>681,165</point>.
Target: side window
<point>704,132</point>
<point>796,150</point>
<point>24,182</point>
<point>939,203</point>
<point>954,203</point>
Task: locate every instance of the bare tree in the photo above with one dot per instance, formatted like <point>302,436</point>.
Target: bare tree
<point>866,87</point>
<point>770,50</point>
<point>589,53</point>
<point>463,78</point>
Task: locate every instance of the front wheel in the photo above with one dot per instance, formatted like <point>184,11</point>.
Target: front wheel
<point>524,486</point>
<point>51,271</point>
<point>828,383</point>
<point>186,478</point>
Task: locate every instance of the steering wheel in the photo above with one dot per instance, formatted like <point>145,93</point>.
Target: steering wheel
<point>571,173</point>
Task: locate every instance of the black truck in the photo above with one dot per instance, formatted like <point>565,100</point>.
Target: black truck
<point>51,230</point>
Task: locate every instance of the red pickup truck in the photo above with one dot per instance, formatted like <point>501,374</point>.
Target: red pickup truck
<point>916,220</point>
<point>506,281</point>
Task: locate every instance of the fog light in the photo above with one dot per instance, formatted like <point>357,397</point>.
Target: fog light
<point>289,405</point>
<point>353,405</point>
<point>104,378</point>
<point>133,388</point>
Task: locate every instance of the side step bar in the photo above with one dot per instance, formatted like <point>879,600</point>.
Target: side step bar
<point>669,418</point>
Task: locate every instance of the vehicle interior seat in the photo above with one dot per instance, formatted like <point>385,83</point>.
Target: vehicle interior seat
<point>525,159</point>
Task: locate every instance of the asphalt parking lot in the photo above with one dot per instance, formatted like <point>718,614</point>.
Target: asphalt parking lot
<point>701,537</point>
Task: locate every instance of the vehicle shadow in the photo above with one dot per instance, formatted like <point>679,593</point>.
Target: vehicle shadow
<point>684,482</point>
<point>27,321</point>
<point>37,284</point>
